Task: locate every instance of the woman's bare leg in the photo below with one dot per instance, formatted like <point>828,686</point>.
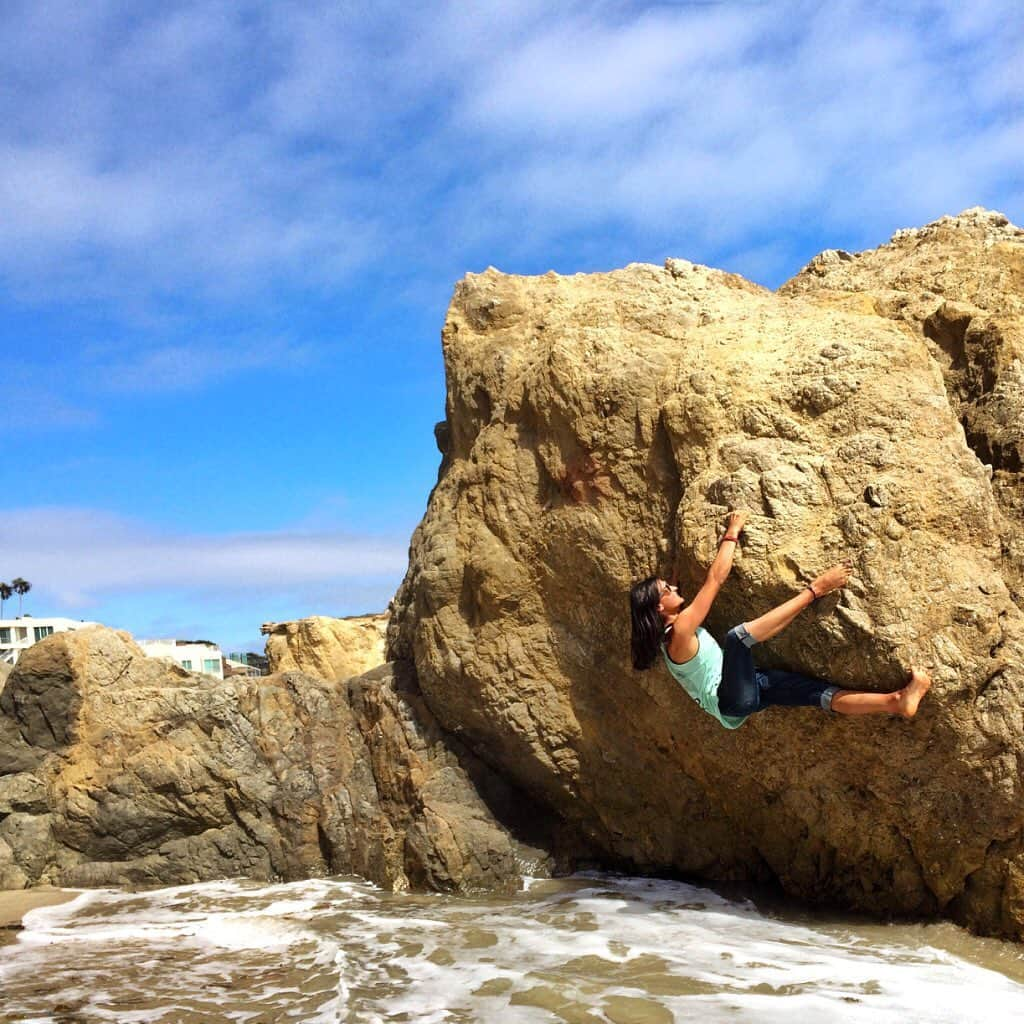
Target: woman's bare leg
<point>903,702</point>
<point>854,702</point>
<point>766,626</point>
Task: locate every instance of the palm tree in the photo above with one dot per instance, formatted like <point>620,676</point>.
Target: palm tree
<point>21,588</point>
<point>5,595</point>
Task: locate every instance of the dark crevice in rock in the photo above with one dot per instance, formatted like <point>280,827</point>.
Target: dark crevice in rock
<point>234,810</point>
<point>966,343</point>
<point>1002,457</point>
<point>994,677</point>
<point>124,668</point>
<point>982,904</point>
<point>977,442</point>
<point>57,740</point>
<point>484,408</point>
<point>529,429</point>
<point>663,474</point>
<point>470,605</point>
<point>326,847</point>
<point>967,347</point>
<point>443,439</point>
<point>948,330</point>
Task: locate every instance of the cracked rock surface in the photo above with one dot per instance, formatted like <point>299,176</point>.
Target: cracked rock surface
<point>598,427</point>
<point>118,769</point>
<point>958,283</point>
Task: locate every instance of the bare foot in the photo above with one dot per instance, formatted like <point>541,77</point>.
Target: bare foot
<point>834,578</point>
<point>911,694</point>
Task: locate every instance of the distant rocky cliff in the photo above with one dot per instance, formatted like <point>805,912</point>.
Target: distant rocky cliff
<point>118,769</point>
<point>598,429</point>
<point>326,647</point>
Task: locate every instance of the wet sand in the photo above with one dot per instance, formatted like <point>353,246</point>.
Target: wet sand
<point>16,903</point>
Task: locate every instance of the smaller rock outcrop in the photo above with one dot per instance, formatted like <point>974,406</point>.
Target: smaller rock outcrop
<point>325,647</point>
<point>117,769</point>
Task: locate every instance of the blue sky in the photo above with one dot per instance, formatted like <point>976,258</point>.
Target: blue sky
<point>229,232</point>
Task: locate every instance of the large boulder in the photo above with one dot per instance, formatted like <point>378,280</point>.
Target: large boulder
<point>325,647</point>
<point>599,427</point>
<point>120,769</point>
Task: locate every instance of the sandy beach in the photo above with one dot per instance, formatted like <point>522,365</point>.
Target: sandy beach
<point>16,903</point>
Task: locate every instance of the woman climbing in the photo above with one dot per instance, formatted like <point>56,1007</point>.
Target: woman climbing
<point>725,683</point>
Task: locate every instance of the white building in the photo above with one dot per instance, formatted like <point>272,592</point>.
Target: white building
<point>241,668</point>
<point>18,635</point>
<point>192,655</point>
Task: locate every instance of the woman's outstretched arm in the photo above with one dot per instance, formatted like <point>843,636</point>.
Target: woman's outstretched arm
<point>722,564</point>
<point>697,610</point>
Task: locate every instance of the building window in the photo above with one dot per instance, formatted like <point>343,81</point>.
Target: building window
<point>211,666</point>
<point>187,664</point>
<point>5,635</point>
<point>41,631</point>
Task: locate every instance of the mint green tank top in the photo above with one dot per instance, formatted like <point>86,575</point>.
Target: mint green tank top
<point>700,677</point>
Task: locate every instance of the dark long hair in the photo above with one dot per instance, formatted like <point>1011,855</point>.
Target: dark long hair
<point>648,629</point>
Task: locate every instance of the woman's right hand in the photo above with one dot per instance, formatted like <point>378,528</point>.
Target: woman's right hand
<point>833,579</point>
<point>735,523</point>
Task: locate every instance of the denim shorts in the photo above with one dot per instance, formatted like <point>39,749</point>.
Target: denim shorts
<point>745,689</point>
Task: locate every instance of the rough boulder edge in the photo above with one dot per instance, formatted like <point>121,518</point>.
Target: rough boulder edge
<point>597,429</point>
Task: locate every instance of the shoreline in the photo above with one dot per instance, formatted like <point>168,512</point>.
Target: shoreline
<point>16,903</point>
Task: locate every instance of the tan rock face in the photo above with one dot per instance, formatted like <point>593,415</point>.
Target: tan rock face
<point>325,647</point>
<point>117,769</point>
<point>959,284</point>
<point>598,429</point>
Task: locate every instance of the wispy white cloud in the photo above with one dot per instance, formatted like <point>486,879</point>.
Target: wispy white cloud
<point>854,114</point>
<point>69,393</point>
<point>191,365</point>
<point>76,557</point>
<point>595,76</point>
<point>227,147</point>
<point>37,407</point>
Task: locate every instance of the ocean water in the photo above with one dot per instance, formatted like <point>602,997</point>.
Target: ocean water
<point>591,948</point>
